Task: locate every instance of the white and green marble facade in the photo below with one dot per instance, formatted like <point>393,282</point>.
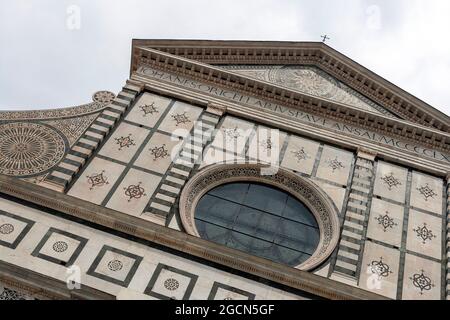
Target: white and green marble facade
<point>135,152</point>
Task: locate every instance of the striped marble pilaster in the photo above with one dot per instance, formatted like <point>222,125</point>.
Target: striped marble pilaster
<point>350,246</point>
<point>447,282</point>
<point>78,155</point>
<point>170,187</point>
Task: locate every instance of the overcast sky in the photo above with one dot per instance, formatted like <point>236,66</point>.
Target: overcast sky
<point>49,58</point>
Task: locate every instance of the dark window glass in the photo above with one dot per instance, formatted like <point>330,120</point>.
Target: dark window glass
<point>258,219</point>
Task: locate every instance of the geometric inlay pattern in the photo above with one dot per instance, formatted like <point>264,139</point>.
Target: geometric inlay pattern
<point>60,247</point>
<point>386,221</point>
<point>103,97</point>
<point>159,152</point>
<point>115,265</point>
<point>232,134</point>
<point>13,229</point>
<point>97,180</point>
<point>424,233</point>
<point>335,164</point>
<point>220,291</point>
<point>300,154</point>
<point>28,148</point>
<point>171,283</point>
<point>134,191</point>
<point>148,109</point>
<point>422,282</point>
<point>6,228</point>
<point>427,192</point>
<point>180,118</point>
<point>391,181</point>
<point>125,142</point>
<point>381,269</point>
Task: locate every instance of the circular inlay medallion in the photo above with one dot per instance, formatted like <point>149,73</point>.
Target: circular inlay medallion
<point>115,265</point>
<point>6,228</point>
<point>103,97</point>
<point>171,284</point>
<point>28,148</point>
<point>60,246</point>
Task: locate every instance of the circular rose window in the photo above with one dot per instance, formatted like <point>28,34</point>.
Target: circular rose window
<point>281,217</point>
<point>259,219</point>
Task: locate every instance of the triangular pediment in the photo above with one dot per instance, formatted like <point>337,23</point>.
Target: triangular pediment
<point>310,80</point>
<point>353,84</point>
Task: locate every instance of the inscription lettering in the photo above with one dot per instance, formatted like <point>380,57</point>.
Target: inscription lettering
<point>293,113</point>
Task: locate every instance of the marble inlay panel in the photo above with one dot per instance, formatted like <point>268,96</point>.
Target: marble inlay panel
<point>96,181</point>
<point>148,109</point>
<point>390,181</point>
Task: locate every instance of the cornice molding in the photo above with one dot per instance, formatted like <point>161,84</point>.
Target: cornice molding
<point>329,109</point>
<point>381,91</point>
<point>182,242</point>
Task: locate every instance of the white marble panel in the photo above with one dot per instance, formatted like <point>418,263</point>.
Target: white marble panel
<point>124,142</point>
<point>390,181</point>
<point>424,234</point>
<point>96,181</point>
<point>148,109</point>
<point>335,165</point>
<point>134,192</point>
<point>300,155</point>
<point>426,192</point>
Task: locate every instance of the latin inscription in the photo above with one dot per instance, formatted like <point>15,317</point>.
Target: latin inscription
<point>293,113</point>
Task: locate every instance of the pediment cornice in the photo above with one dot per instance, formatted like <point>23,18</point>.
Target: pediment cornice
<point>178,65</point>
<point>381,91</point>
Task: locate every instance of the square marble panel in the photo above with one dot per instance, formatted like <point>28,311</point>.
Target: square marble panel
<point>115,265</point>
<point>390,181</point>
<point>13,229</point>
<point>426,192</point>
<point>337,194</point>
<point>386,222</point>
<point>213,156</point>
<point>424,234</point>
<point>148,109</point>
<point>222,291</point>
<point>335,165</point>
<point>180,119</point>
<point>159,152</point>
<point>300,155</point>
<point>266,144</point>
<point>124,142</point>
<point>233,135</point>
<point>60,247</point>
<point>134,192</point>
<point>96,181</point>
<point>422,279</point>
<point>171,283</point>
<point>379,272</point>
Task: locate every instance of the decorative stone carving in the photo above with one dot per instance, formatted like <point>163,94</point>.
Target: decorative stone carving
<point>103,97</point>
<point>306,191</point>
<point>28,149</point>
<point>311,80</point>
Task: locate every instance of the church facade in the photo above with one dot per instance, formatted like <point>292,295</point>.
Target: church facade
<point>229,170</point>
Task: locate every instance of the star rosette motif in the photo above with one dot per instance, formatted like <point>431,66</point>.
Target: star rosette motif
<point>134,191</point>
<point>125,142</point>
<point>97,180</point>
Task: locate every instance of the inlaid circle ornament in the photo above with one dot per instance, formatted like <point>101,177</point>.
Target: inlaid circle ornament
<point>320,205</point>
<point>115,265</point>
<point>103,97</point>
<point>6,228</point>
<point>60,246</point>
<point>28,149</point>
<point>171,284</point>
